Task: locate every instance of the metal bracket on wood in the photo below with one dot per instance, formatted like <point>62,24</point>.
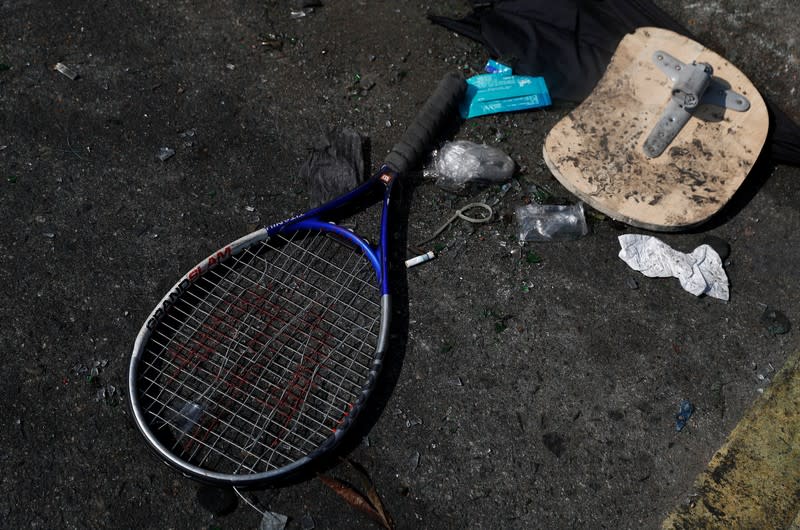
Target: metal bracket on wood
<point>692,85</point>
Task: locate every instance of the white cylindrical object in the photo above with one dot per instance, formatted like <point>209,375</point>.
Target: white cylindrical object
<point>422,258</point>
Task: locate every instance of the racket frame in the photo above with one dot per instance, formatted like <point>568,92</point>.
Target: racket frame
<point>315,220</point>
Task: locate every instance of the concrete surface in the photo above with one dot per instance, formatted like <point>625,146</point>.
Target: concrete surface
<point>525,396</point>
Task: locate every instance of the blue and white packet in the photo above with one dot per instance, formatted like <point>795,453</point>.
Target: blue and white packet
<point>493,67</point>
<point>502,91</point>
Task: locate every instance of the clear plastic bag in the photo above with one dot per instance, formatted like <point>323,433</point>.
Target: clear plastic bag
<point>551,222</point>
<point>462,165</point>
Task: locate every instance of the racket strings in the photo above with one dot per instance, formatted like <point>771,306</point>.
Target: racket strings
<point>226,301</point>
<point>206,315</point>
<point>285,358</point>
<point>259,367</point>
<point>262,357</point>
<point>310,363</point>
<point>273,397</point>
<point>360,265</point>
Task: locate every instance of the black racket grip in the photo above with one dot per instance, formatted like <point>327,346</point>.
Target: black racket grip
<point>422,132</point>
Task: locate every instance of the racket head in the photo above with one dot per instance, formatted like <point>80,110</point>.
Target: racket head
<point>259,359</point>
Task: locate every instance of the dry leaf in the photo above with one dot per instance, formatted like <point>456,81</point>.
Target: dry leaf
<point>351,496</point>
<point>385,519</point>
<point>370,504</point>
<point>374,497</point>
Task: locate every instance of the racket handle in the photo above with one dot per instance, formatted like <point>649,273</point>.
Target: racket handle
<point>422,132</point>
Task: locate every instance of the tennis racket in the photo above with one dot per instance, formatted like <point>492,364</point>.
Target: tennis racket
<point>260,358</point>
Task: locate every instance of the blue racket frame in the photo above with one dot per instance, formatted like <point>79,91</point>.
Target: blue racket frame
<point>315,220</point>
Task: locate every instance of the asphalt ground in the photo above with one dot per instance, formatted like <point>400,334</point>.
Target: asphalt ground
<point>520,393</point>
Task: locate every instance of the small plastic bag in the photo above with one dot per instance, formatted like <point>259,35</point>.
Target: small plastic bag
<point>187,418</point>
<point>461,165</point>
<point>551,222</point>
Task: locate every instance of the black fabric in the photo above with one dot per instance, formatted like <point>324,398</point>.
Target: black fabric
<point>784,137</point>
<point>335,165</point>
<point>571,42</point>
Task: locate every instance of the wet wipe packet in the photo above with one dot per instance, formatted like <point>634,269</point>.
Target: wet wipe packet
<point>502,91</point>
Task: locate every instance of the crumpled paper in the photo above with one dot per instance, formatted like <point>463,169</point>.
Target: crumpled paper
<point>699,272</point>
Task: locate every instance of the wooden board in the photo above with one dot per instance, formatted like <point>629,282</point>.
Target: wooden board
<point>596,150</point>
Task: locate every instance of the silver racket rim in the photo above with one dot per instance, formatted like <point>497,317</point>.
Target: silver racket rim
<point>245,479</point>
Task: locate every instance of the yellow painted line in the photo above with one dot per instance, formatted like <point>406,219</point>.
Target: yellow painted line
<point>753,481</point>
